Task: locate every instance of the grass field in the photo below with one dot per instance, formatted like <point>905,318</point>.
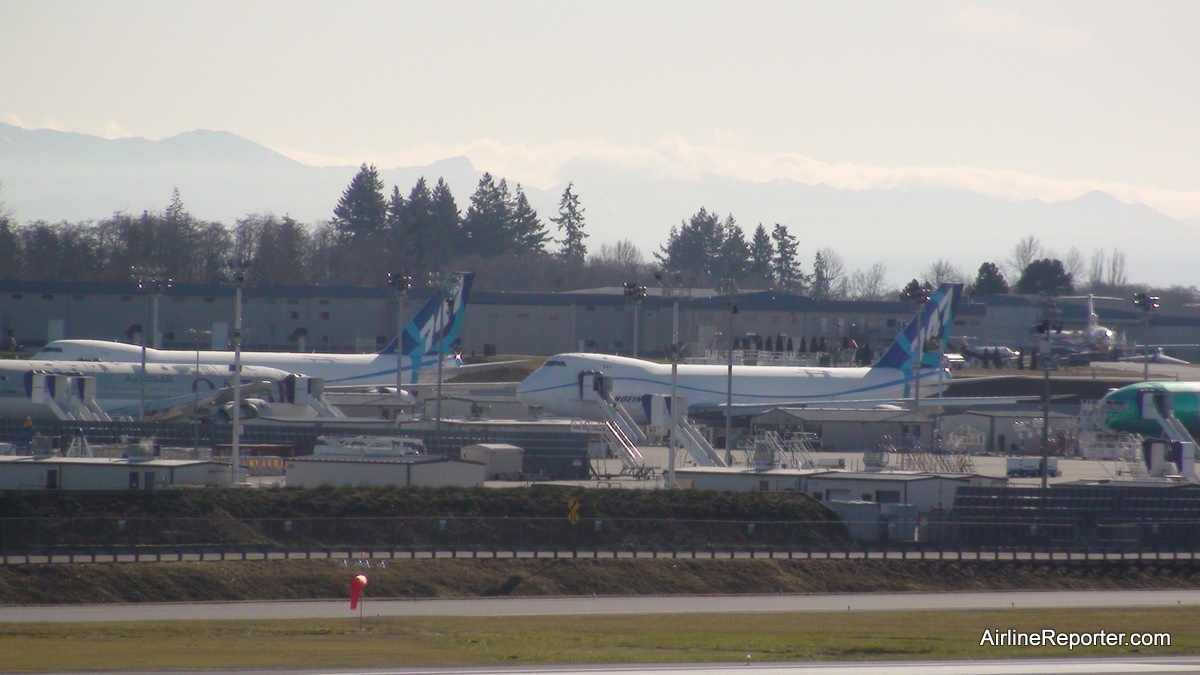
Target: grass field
<point>465,641</point>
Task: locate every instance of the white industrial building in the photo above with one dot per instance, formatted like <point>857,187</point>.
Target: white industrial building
<point>924,491</point>
<point>1015,432</point>
<point>418,471</point>
<point>100,473</point>
<point>503,461</point>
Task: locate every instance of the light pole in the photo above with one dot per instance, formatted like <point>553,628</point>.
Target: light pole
<point>918,294</point>
<point>1147,303</point>
<point>634,294</point>
<point>150,282</point>
<point>1043,330</point>
<point>444,285</point>
<point>400,285</point>
<point>235,458</point>
<point>676,352</point>
<point>196,335</point>
<point>729,288</point>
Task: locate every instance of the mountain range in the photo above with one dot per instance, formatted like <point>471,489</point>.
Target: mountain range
<point>54,175</point>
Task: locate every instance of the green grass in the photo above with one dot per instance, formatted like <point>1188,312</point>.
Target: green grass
<point>472,641</point>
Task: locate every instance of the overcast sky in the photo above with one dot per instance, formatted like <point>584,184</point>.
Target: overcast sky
<point>1017,99</point>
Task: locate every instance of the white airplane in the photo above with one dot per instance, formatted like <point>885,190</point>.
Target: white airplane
<point>31,389</point>
<point>558,385</point>
<point>1093,340</point>
<point>1155,356</point>
<point>436,324</point>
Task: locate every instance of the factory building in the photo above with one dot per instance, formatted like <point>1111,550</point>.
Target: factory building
<point>50,472</point>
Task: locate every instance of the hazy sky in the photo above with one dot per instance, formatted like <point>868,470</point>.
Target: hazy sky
<point>1017,99</point>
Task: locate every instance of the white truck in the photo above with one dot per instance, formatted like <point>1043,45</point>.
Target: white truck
<point>1027,467</point>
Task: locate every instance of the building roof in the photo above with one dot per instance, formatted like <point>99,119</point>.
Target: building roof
<point>400,459</point>
<point>104,461</point>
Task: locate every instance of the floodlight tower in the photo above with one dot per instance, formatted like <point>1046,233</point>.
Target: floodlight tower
<point>151,282</point>
<point>918,294</point>
<point>634,295</point>
<point>400,285</point>
<point>237,276</point>
<point>1148,304</point>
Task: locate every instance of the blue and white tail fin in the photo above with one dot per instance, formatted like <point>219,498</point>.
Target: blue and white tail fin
<point>439,321</point>
<point>937,317</point>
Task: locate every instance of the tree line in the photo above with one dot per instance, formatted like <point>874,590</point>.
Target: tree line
<point>501,237</point>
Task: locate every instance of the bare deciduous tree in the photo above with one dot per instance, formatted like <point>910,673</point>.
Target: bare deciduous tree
<point>868,284</point>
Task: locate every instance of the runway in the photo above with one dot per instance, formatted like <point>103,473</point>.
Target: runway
<point>867,602</point>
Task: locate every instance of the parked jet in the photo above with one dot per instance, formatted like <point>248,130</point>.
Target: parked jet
<point>31,389</point>
<point>1091,343</point>
<point>1122,409</point>
<point>432,330</point>
<point>1155,355</point>
<point>985,354</point>
<point>558,386</point>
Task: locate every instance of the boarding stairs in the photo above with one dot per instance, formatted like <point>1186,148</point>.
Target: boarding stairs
<point>623,436</point>
<point>68,397</point>
<point>769,450</point>
<point>1159,410</point>
<point>703,452</point>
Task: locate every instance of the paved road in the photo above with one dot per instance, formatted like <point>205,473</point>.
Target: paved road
<point>602,605</point>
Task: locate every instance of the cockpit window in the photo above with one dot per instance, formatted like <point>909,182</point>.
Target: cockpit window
<point>47,350</point>
<point>555,362</point>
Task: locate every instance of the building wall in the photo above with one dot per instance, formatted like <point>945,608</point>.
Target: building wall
<point>33,475</point>
<point>343,318</point>
<point>314,473</point>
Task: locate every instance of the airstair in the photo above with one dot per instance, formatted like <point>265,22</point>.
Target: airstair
<point>768,450</point>
<point>68,397</point>
<point>1156,406</point>
<point>703,452</point>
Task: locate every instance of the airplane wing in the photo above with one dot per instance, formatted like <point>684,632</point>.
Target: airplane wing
<point>177,406</point>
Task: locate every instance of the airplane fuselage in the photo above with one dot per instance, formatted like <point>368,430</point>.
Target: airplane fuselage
<point>1121,408</point>
<point>119,385</point>
<point>335,369</point>
<point>556,385</point>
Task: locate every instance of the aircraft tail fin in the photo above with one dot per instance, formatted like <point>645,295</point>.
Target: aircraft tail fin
<point>937,318</point>
<point>438,321</point>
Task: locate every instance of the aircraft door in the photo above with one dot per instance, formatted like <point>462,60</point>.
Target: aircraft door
<point>594,386</point>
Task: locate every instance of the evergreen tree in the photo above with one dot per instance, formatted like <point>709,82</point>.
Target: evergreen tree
<point>1045,276</point>
<point>444,227</point>
<point>989,281</point>
<point>733,254</point>
<point>693,247</point>
<point>486,227</point>
<point>417,228</point>
<point>10,249</point>
<point>570,223</point>
<point>786,266</point>
<point>362,210</point>
<point>762,253</point>
<point>527,234</point>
